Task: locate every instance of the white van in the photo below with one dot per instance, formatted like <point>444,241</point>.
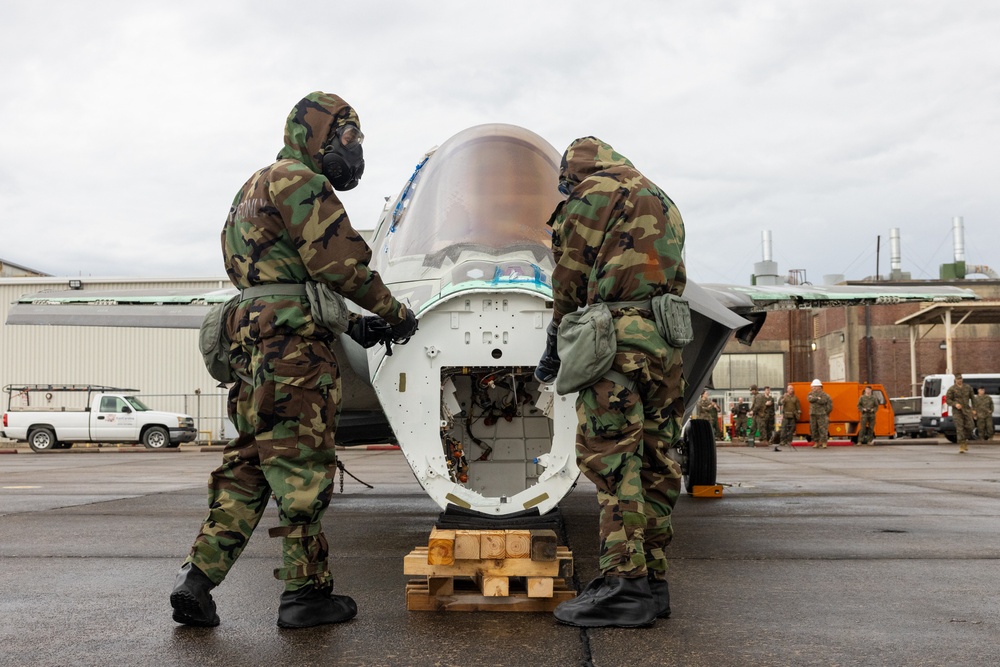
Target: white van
<point>934,412</point>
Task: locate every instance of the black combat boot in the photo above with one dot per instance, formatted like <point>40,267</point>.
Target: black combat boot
<point>610,602</point>
<point>191,600</point>
<point>661,596</point>
<point>311,606</point>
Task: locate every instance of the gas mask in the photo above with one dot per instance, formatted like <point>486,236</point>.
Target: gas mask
<point>343,158</point>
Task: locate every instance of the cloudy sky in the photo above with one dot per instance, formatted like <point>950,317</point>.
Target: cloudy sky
<point>127,127</point>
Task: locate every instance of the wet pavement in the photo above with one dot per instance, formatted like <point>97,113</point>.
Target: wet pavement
<point>886,555</point>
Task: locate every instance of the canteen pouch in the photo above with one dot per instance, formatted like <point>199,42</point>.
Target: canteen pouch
<point>673,319</point>
<point>586,343</point>
<point>213,341</point>
<point>329,309</point>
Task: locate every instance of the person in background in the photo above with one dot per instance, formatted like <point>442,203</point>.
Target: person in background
<point>959,399</point>
<point>820,405</point>
<point>790,411</point>
<point>867,408</point>
<point>982,411</point>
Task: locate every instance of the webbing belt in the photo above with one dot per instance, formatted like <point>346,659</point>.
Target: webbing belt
<point>273,289</point>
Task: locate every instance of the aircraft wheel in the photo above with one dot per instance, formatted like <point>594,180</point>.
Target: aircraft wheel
<point>42,440</point>
<point>156,437</point>
<point>701,464</point>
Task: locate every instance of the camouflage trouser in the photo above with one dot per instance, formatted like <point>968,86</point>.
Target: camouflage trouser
<point>963,426</point>
<point>741,427</point>
<point>767,426</point>
<point>819,429</point>
<point>286,420</point>
<point>788,424</point>
<point>985,427</point>
<point>866,429</point>
<point>622,445</point>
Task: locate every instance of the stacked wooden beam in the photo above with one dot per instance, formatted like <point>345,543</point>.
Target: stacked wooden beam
<point>488,570</point>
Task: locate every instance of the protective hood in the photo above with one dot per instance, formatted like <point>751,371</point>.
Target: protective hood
<point>588,156</point>
<point>310,124</point>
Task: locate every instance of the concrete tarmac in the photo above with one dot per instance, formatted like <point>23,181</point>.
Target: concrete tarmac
<point>886,555</point>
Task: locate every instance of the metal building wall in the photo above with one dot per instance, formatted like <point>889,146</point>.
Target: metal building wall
<point>164,364</point>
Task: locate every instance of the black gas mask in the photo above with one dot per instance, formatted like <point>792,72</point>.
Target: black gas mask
<point>343,158</point>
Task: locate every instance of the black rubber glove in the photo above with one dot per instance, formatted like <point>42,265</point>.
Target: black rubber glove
<point>401,332</point>
<point>369,330</point>
<point>548,365</point>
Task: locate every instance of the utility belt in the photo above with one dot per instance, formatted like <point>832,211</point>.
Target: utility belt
<point>587,341</point>
<point>329,311</point>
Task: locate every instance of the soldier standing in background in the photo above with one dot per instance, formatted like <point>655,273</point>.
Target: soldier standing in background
<point>767,420</point>
<point>982,410</point>
<point>740,410</point>
<point>756,413</point>
<point>959,399</point>
<point>790,411</point>
<point>703,408</point>
<point>287,226</point>
<point>619,239</point>
<point>867,407</point>
<point>820,405</point>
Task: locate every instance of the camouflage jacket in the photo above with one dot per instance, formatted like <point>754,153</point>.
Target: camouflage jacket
<point>617,238</point>
<point>983,405</point>
<point>790,406</point>
<point>867,404</point>
<point>757,406</point>
<point>707,410</point>
<point>960,396</point>
<point>286,225</point>
<point>820,403</point>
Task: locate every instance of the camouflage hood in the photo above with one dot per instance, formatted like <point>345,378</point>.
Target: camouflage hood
<point>588,156</point>
<point>309,125</point>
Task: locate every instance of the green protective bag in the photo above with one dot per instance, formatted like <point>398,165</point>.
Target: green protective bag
<point>673,319</point>
<point>586,343</point>
<point>329,309</point>
<point>213,341</point>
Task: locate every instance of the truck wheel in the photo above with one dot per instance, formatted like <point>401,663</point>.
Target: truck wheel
<point>42,440</point>
<point>951,437</point>
<point>156,437</point>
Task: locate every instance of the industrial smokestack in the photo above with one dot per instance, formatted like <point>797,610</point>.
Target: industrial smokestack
<point>958,231</point>
<point>895,255</point>
<point>765,241</point>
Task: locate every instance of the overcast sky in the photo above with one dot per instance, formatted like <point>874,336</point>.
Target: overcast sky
<point>127,127</point>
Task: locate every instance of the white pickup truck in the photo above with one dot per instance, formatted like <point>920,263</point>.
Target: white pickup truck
<point>110,415</point>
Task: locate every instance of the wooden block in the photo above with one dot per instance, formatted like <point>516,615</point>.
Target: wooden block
<point>468,598</point>
<point>440,585</point>
<point>466,545</point>
<point>539,587</point>
<point>441,547</point>
<point>517,543</point>
<point>543,544</point>
<point>415,564</point>
<point>493,586</point>
<point>492,544</point>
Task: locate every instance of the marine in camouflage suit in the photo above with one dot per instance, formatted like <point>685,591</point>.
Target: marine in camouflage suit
<point>620,238</point>
<point>820,405</point>
<point>791,408</point>
<point>286,226</point>
<point>867,409</point>
<point>767,417</point>
<point>959,399</point>
<point>982,408</point>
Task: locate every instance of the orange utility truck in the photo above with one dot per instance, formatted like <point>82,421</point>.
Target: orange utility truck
<point>845,418</point>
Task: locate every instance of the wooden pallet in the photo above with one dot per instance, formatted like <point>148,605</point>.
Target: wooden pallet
<point>488,570</point>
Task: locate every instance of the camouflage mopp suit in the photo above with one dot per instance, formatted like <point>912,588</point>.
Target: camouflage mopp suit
<point>620,238</point>
<point>286,225</point>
